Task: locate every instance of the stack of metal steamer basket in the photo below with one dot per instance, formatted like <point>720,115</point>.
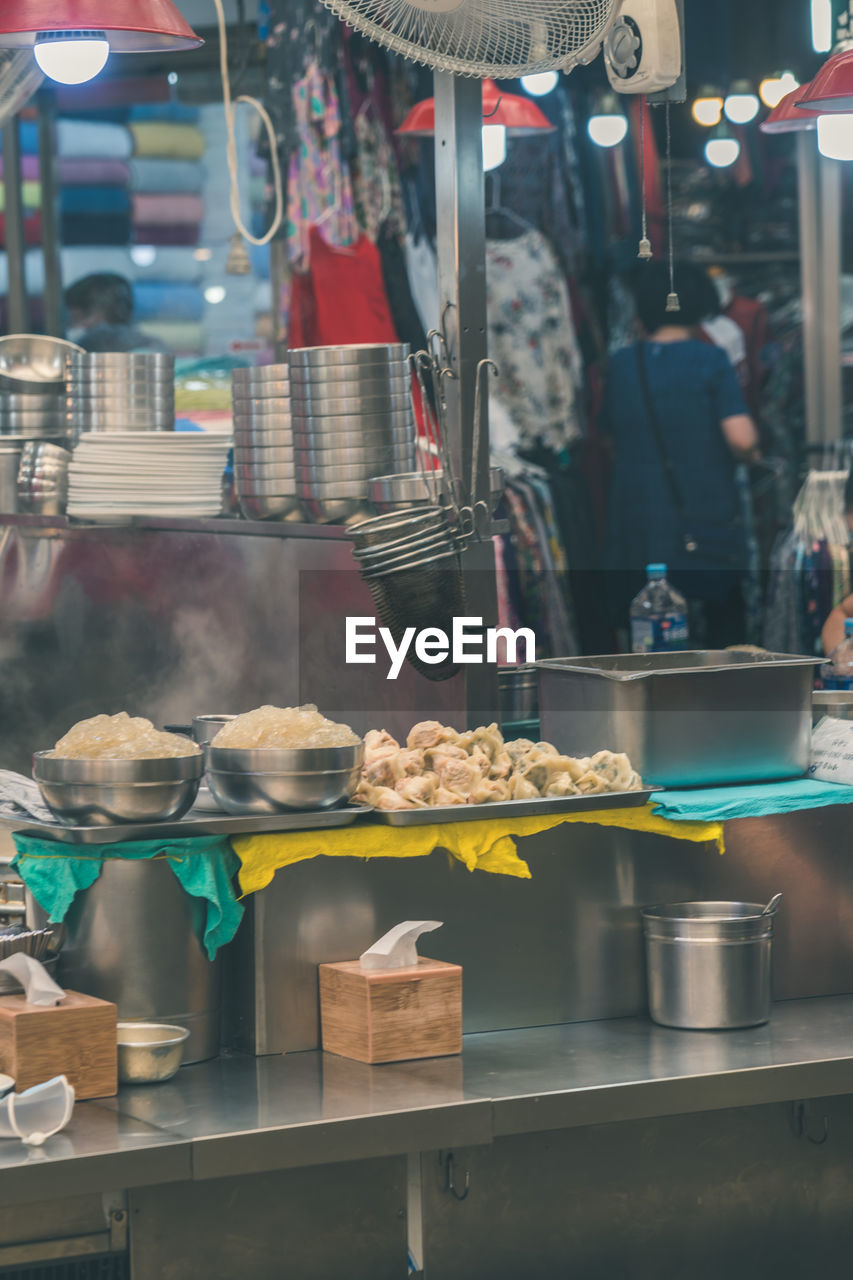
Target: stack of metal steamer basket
<point>263,443</point>
<point>119,391</point>
<point>353,418</point>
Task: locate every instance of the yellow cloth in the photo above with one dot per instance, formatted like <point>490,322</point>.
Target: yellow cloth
<point>487,845</point>
<point>30,195</point>
<point>164,138</point>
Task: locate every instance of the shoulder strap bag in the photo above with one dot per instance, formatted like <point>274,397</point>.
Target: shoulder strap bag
<point>690,544</point>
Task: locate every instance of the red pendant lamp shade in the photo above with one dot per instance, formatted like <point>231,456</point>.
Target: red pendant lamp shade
<point>130,26</point>
<point>787,117</point>
<point>519,115</point>
<point>832,88</point>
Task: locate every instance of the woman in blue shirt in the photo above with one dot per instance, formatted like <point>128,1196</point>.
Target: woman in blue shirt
<point>678,426</point>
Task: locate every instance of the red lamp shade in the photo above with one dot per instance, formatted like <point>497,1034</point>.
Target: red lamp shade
<point>130,26</point>
<point>832,88</point>
<point>788,117</point>
<point>519,115</point>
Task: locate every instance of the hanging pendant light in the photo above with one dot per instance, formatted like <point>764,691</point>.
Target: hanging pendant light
<point>608,125</point>
<point>707,108</point>
<point>741,104</point>
<point>832,88</point>
<point>722,149</point>
<point>72,39</point>
<point>519,115</point>
<point>787,117</point>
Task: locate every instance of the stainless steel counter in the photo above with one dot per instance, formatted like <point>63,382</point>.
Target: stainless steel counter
<point>241,1115</point>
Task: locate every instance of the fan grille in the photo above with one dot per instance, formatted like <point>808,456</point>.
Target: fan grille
<point>499,38</point>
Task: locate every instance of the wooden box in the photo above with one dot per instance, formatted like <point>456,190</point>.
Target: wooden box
<point>76,1038</point>
<point>391,1015</point>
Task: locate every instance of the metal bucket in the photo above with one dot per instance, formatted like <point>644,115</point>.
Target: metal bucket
<point>133,938</point>
<point>709,964</point>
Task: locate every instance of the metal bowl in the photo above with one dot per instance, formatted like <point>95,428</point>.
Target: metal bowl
<point>101,384</point>
<point>331,510</point>
<point>271,455</point>
<point>149,1052</point>
<point>321,408</point>
<point>247,474</point>
<point>38,402</point>
<point>275,780</point>
<point>205,728</point>
<point>315,491</point>
<point>33,417</point>
<point>261,373</point>
<point>254,424</point>
<point>406,489</point>
<point>117,420</point>
<point>260,407</point>
<point>309,384</point>
<point>363,353</point>
<point>121,361</point>
<point>274,487</point>
<point>104,792</point>
<point>273,390</point>
<point>120,402</point>
<point>33,358</point>
<point>265,506</point>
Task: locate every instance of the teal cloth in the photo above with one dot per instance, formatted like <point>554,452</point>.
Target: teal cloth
<point>204,865</point>
<point>719,804</point>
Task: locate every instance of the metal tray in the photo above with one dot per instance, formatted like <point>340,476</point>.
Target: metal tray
<point>511,809</point>
<point>198,822</point>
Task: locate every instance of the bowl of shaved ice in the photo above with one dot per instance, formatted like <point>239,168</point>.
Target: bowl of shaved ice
<point>279,759</point>
<point>119,768</point>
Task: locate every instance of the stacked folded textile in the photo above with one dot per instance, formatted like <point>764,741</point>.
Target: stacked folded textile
<point>94,175</point>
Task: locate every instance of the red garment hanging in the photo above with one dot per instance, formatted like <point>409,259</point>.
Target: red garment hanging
<point>341,297</point>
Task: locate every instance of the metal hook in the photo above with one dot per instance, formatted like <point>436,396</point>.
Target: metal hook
<point>800,1124</point>
<point>449,1183</point>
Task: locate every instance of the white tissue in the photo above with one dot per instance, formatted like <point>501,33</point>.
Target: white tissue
<point>39,987</point>
<point>396,949</point>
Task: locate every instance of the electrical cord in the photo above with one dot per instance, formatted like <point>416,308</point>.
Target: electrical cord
<point>231,146</point>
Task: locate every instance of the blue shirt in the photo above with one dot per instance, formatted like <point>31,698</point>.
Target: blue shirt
<point>693,387</point>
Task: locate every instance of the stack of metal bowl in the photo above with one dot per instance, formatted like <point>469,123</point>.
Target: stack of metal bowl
<point>43,478</point>
<point>353,418</point>
<point>263,443</point>
<point>120,391</point>
<point>410,561</point>
<point>417,489</point>
<point>32,402</point>
<point>277,779</point>
<point>96,793</point>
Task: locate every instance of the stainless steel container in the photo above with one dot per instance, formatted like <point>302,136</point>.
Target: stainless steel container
<point>685,719</point>
<point>709,964</point>
<point>133,938</point>
<point>518,690</point>
<point>84,792</point>
<point>837,703</point>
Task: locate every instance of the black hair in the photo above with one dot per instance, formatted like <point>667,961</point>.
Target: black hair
<point>696,295</point>
<point>848,493</point>
<point>103,291</point>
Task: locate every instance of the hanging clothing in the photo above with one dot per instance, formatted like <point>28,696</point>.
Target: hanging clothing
<point>532,339</point>
<point>341,298</point>
<point>319,188</point>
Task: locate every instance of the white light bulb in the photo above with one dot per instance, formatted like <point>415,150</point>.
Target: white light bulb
<point>821,25</point>
<point>740,108</point>
<point>494,146</point>
<point>775,88</point>
<point>707,111</point>
<point>835,136</point>
<point>607,131</point>
<point>722,152</point>
<point>539,85</point>
<point>143,255</point>
<point>214,293</point>
<point>72,61</point>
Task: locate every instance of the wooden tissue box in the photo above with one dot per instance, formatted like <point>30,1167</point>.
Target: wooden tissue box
<point>391,1015</point>
<point>75,1038</point>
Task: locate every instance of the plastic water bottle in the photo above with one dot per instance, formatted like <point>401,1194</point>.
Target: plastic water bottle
<point>837,671</point>
<point>659,616</point>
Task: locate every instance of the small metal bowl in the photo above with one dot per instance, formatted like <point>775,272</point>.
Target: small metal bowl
<point>149,1052</point>
<point>276,780</point>
<point>205,728</point>
<point>34,358</point>
<point>270,506</point>
<point>261,373</point>
<point>100,793</point>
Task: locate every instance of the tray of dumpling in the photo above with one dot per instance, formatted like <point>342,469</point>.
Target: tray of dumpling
<point>441,775</point>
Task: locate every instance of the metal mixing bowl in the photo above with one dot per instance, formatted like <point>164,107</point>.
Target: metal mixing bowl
<point>270,506</point>
<point>99,793</point>
<point>359,353</point>
<point>275,780</point>
<point>33,358</point>
<point>149,1052</point>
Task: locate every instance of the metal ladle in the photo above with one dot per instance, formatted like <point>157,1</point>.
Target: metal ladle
<point>770,909</point>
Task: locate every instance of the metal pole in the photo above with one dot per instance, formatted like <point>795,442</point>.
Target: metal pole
<point>809,204</point>
<point>50,223</point>
<point>829,314</point>
<point>15,246</point>
<point>461,235</point>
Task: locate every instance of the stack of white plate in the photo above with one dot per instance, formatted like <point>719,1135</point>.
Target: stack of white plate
<point>148,474</point>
